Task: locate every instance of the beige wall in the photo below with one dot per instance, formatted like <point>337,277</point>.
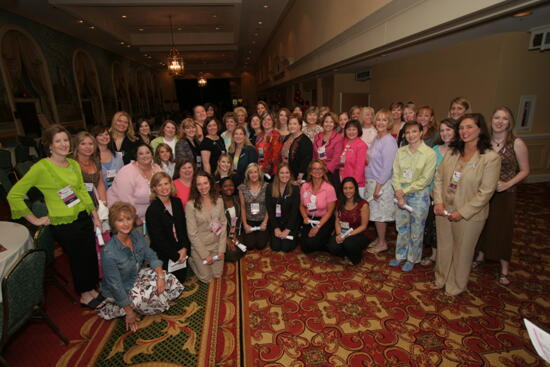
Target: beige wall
<point>346,83</point>
<point>491,71</point>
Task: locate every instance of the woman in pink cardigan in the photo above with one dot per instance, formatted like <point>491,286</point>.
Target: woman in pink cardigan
<point>327,145</point>
<point>354,155</point>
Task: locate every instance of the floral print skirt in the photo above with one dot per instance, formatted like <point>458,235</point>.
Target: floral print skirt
<point>144,297</point>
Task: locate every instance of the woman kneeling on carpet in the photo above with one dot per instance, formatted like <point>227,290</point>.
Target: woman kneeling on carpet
<point>129,286</point>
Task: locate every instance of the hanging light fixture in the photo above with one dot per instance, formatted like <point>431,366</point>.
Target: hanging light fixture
<point>201,81</point>
<point>175,60</point>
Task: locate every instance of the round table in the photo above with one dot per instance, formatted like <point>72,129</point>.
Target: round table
<point>15,240</point>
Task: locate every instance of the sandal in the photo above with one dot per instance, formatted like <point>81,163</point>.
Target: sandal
<point>503,279</point>
<point>434,286</point>
<point>427,261</point>
<point>476,264</point>
<point>376,250</point>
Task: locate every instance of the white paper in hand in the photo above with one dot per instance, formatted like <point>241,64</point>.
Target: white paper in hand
<point>540,340</point>
<point>175,266</point>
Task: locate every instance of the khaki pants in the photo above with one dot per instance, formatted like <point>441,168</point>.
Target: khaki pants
<point>206,272</point>
<point>456,242</point>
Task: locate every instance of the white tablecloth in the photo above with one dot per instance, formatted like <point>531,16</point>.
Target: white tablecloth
<point>16,239</point>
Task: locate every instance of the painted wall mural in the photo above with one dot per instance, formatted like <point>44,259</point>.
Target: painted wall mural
<point>58,50</point>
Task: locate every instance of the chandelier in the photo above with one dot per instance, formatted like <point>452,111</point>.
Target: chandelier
<point>201,81</point>
<point>175,60</point>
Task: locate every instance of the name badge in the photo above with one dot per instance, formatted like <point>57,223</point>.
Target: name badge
<point>89,186</point>
<point>111,173</point>
<point>120,154</point>
<point>408,174</point>
<point>278,211</point>
<point>68,196</point>
<point>322,152</point>
<point>216,227</point>
<point>455,179</point>
<point>199,161</point>
<point>233,224</point>
<point>312,205</point>
<point>261,153</point>
<point>255,208</point>
<point>344,225</point>
<point>343,159</point>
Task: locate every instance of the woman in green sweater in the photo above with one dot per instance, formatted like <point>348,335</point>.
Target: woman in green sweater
<point>71,211</point>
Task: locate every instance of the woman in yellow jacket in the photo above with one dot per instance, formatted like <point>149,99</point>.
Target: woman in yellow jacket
<point>464,183</point>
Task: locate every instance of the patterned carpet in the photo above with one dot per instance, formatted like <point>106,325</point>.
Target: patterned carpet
<point>314,310</point>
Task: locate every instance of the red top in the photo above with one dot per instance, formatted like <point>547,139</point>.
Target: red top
<point>353,216</point>
<point>182,191</point>
<point>269,151</point>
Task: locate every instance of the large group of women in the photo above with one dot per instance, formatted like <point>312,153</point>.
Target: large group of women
<point>208,190</point>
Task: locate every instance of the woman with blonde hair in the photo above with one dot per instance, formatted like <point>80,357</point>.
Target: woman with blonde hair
<point>458,107</point>
<point>124,137</point>
<point>366,118</point>
<point>242,153</point>
<point>241,115</point>
<point>188,146</point>
<point>254,215</point>
<point>86,154</point>
<point>496,239</point>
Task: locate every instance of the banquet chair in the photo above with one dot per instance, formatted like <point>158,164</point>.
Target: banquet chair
<point>43,240</point>
<point>23,296</point>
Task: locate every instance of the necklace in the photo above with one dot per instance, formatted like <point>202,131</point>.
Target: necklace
<point>498,143</point>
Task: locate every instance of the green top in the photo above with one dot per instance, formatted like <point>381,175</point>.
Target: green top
<point>49,178</point>
<point>413,171</point>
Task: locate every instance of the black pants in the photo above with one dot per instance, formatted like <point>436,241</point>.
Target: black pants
<point>284,245</point>
<point>430,235</point>
<point>320,240</point>
<point>256,240</point>
<point>352,247</point>
<point>78,242</point>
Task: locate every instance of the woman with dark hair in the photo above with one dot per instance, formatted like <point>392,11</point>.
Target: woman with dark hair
<point>183,179</point>
<point>343,119</point>
<point>206,224</point>
<point>144,131</point>
<point>464,183</point>
<point>188,146</point>
<point>328,144</point>
<point>254,214</point>
<point>212,146</point>
<point>413,171</point>
<point>282,121</point>
<point>269,144</point>
<point>232,207</point>
<point>297,149</point>
<point>353,157</point>
<point>283,205</point>
<point>111,162</point>
<point>426,118</point>
<point>132,183</point>
<point>134,281</point>
<point>71,212</point>
<point>200,118</point>
<point>496,239</point>
<point>255,128</point>
<point>211,110</point>
<point>318,200</point>
<point>230,124</point>
<point>166,224</point>
<point>124,138</point>
<point>242,153</point>
<point>261,108</point>
<point>350,226</point>
<point>168,135</point>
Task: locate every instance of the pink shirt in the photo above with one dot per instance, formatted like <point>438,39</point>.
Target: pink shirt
<point>326,195</point>
<point>182,191</point>
<point>130,186</point>
<point>333,149</point>
<point>355,155</point>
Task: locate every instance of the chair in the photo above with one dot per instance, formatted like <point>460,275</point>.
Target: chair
<point>5,160</point>
<point>43,240</point>
<point>23,296</point>
<point>22,153</point>
<point>5,184</point>
<point>22,168</point>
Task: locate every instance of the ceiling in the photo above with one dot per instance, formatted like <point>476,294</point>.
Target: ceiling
<point>217,36</point>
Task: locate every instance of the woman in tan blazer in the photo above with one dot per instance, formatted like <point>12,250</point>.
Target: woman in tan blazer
<point>464,183</point>
<point>206,222</point>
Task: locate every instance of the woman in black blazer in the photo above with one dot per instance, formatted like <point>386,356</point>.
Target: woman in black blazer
<point>297,149</point>
<point>283,205</point>
<point>242,153</point>
<point>166,225</point>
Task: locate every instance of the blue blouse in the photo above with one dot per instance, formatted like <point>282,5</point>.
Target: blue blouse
<point>121,266</point>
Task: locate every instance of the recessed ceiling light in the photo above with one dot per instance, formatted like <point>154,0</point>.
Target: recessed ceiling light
<point>92,27</point>
<point>214,16</point>
<point>266,6</point>
<point>179,28</point>
<point>522,14</point>
<point>249,51</point>
<point>128,46</point>
<point>124,16</point>
<point>81,21</point>
<point>260,22</point>
<point>256,34</point>
<point>141,29</point>
<point>121,42</point>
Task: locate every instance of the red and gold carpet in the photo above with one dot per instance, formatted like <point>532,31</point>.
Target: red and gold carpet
<point>313,310</point>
